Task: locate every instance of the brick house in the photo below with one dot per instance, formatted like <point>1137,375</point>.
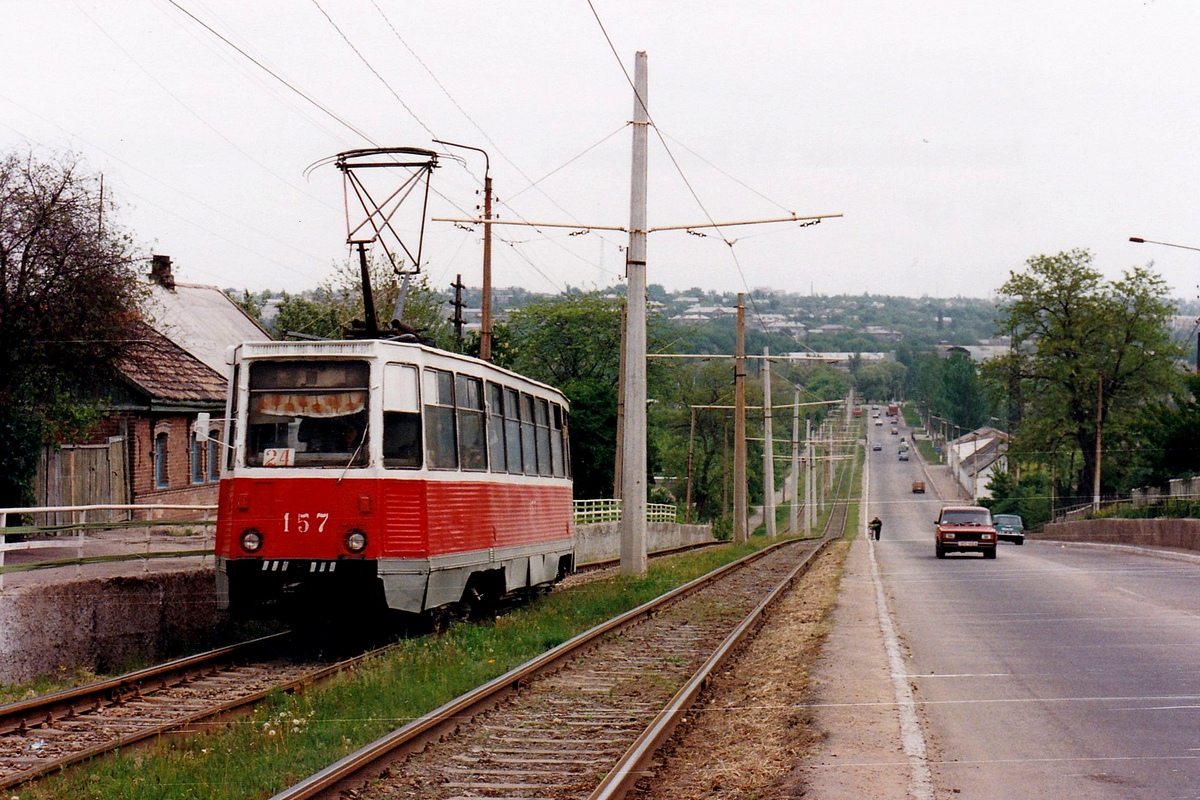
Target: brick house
<point>145,450</point>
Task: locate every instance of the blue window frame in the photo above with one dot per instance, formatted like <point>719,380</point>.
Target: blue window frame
<point>197,460</point>
<point>214,458</point>
<point>161,478</point>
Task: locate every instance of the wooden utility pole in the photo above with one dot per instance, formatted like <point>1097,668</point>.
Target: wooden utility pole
<point>768,449</point>
<point>633,445</point>
<point>740,501</point>
<point>485,306</point>
<point>1099,421</point>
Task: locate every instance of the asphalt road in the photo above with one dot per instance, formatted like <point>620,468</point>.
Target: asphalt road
<point>1060,671</point>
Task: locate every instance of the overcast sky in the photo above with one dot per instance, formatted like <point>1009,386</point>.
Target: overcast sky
<point>957,138</point>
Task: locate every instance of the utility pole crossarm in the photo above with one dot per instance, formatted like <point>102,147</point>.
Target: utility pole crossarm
<point>813,218</point>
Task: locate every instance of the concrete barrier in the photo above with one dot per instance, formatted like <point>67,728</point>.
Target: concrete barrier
<point>100,624</point>
<point>1178,533</point>
<point>601,541</point>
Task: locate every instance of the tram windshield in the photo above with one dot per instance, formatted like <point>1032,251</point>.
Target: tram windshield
<point>308,414</point>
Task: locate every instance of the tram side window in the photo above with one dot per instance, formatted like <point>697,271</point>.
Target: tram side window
<point>441,447</point>
<point>495,427</point>
<point>401,417</point>
<point>512,430</point>
<point>542,419</point>
<point>528,435</point>
<point>472,439</point>
<point>557,444</point>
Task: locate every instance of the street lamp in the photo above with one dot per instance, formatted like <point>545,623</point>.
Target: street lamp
<point>1140,240</point>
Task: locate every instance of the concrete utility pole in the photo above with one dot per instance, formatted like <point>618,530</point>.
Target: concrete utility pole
<point>633,444</point>
<point>740,501</point>
<point>768,449</point>
<point>809,473</point>
<point>793,511</point>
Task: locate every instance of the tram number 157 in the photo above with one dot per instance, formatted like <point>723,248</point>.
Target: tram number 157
<point>305,522</point>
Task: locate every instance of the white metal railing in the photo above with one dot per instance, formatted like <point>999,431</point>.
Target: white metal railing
<point>81,519</point>
<point>590,512</point>
<point>67,526</point>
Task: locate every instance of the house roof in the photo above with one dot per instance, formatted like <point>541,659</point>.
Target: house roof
<point>167,373</point>
<point>201,320</point>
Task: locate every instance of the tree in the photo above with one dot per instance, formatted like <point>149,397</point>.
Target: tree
<point>69,306</point>
<point>1085,352</point>
<point>573,342</point>
<point>328,311</point>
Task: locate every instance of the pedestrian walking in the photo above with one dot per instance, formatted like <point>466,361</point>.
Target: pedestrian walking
<point>875,526</point>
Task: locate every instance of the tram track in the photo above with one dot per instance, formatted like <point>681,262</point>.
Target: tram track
<point>46,734</point>
<point>583,719</point>
<point>615,703</point>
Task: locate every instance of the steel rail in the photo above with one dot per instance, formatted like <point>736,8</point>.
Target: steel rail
<point>372,758</point>
<point>18,717</point>
<point>634,764</point>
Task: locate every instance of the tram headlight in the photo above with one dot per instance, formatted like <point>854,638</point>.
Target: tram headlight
<point>251,540</point>
<point>356,541</point>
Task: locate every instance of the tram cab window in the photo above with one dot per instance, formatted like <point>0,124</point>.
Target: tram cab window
<point>401,418</point>
<point>472,440</point>
<point>441,438</point>
<point>308,414</point>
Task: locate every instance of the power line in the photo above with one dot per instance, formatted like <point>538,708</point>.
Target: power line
<point>374,71</point>
<point>322,108</point>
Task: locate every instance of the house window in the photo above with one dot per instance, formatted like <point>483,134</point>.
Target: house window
<point>214,456</point>
<point>161,479</point>
<point>197,460</point>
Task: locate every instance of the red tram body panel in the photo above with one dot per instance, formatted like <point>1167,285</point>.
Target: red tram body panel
<point>387,474</point>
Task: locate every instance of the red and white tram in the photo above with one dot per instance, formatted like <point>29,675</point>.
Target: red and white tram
<point>380,474</point>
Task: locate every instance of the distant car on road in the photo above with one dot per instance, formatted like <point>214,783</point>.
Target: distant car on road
<point>877,447</point>
<point>903,455</point>
<point>1010,528</point>
<point>895,430</point>
<point>918,487</point>
<point>965,529</point>
<point>878,422</point>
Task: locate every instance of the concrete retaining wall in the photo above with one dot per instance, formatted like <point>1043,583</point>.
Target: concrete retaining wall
<point>101,623</point>
<point>602,541</point>
<point>1180,533</point>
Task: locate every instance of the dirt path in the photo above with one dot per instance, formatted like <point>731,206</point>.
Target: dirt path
<point>807,710</point>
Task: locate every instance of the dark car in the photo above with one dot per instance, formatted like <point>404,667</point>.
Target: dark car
<point>1009,528</point>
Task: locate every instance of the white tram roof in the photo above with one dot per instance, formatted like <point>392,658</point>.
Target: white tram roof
<point>382,349</point>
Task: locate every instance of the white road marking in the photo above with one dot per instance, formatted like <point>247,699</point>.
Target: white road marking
<point>921,786</point>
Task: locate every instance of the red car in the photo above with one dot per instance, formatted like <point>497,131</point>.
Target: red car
<point>965,529</point>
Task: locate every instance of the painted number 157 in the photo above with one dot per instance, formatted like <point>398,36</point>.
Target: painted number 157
<point>305,522</point>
